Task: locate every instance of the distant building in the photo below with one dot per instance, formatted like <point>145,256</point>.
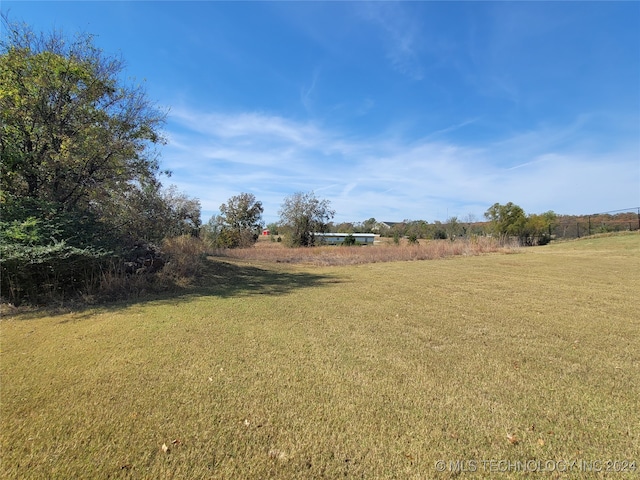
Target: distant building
<point>266,232</point>
<point>388,224</point>
<point>339,238</point>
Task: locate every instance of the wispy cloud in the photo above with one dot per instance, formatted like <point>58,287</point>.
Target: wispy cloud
<point>307,92</point>
<point>217,155</point>
<point>400,34</point>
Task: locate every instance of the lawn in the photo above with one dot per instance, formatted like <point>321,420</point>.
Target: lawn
<point>501,365</point>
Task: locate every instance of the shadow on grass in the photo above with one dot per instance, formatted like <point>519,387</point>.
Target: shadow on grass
<point>226,279</point>
<point>219,279</point>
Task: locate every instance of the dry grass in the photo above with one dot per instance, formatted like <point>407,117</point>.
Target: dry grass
<point>371,371</point>
<point>357,255</point>
<point>185,257</point>
<point>185,261</point>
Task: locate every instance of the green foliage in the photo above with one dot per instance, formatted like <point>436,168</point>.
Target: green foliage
<point>38,273</point>
<point>370,226</point>
<point>78,166</point>
<point>349,241</point>
<point>438,231</point>
<point>273,228</point>
<point>537,229</point>
<point>303,214</point>
<point>454,228</point>
<point>510,221</point>
<point>239,222</point>
<point>412,239</point>
<point>506,220</point>
<point>70,133</point>
<point>345,227</point>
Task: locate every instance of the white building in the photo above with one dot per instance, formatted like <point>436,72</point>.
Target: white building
<point>339,238</point>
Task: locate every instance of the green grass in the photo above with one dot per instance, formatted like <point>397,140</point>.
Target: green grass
<point>369,371</point>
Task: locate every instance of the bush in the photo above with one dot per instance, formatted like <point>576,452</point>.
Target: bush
<point>544,239</point>
<point>39,274</point>
<point>36,267</point>
<point>349,241</point>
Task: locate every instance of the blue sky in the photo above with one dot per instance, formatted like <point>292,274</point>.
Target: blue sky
<point>398,110</point>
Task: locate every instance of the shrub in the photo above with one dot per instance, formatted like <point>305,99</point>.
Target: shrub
<point>349,241</point>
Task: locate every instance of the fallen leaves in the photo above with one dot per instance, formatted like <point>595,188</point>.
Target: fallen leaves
<point>165,448</point>
<point>513,440</point>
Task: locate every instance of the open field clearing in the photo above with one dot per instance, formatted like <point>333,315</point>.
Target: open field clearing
<point>380,370</point>
<point>385,251</point>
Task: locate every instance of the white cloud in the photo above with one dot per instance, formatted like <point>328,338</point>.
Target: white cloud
<point>217,155</point>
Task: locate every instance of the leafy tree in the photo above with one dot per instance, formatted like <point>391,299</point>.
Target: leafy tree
<point>71,132</point>
<point>510,220</point>
<point>240,221</point>
<point>273,228</point>
<point>78,164</point>
<point>150,213</point>
<point>370,226</point>
<point>304,215</point>
<point>537,230</point>
<point>438,231</point>
<point>506,220</point>
<point>183,213</point>
<point>345,227</point>
<point>454,229</point>
<point>417,228</point>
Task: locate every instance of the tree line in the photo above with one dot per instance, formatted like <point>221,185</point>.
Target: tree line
<point>302,215</point>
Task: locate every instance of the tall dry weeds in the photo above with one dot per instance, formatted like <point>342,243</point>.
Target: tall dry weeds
<point>339,255</point>
<point>184,260</point>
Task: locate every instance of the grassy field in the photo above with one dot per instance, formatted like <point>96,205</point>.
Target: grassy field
<point>381,370</point>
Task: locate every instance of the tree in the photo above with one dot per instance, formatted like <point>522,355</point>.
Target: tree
<point>537,230</point>
<point>304,215</point>
<point>240,220</point>
<point>78,164</point>
<point>506,220</point>
<point>370,226</point>
<point>471,229</point>
<point>345,227</point>
<point>273,228</point>
<point>71,132</point>
<point>150,213</point>
<point>453,229</point>
<point>510,220</point>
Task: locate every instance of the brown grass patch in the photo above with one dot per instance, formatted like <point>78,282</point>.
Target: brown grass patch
<point>357,255</point>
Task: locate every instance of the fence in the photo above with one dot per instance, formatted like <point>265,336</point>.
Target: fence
<point>566,226</point>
